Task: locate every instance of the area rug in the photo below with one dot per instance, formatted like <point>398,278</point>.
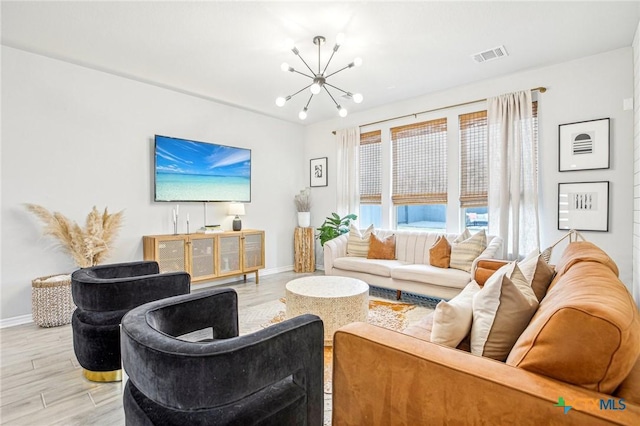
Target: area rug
<point>384,313</point>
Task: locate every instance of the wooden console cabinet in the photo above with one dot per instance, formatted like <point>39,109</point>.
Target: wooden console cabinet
<point>208,256</point>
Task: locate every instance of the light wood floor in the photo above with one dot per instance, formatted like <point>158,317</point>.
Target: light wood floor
<point>42,384</point>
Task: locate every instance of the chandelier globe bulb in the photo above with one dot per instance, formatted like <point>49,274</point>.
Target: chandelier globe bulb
<point>358,98</point>
<point>340,39</point>
<point>342,112</point>
<point>357,61</point>
<point>281,101</point>
<point>302,114</point>
<point>315,88</point>
<point>285,67</point>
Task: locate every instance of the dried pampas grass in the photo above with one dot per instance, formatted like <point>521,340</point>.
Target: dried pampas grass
<point>88,246</point>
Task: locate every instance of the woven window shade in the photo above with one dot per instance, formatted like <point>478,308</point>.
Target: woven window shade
<point>370,168</point>
<point>474,167</point>
<point>473,159</point>
<point>420,163</point>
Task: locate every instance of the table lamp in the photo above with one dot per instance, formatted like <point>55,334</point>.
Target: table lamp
<point>236,209</point>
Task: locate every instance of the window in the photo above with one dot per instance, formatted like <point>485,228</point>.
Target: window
<point>474,166</point>
<point>474,169</point>
<point>419,168</point>
<point>371,178</point>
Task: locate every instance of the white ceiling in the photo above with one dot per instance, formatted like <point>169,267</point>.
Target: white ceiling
<point>231,51</point>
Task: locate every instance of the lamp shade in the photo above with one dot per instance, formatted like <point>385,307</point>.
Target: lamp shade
<point>236,209</point>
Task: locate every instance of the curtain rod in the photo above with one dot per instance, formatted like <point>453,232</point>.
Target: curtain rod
<point>415,114</point>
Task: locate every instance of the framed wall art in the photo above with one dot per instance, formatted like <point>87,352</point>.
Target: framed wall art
<point>318,171</point>
<point>584,145</point>
<point>583,206</point>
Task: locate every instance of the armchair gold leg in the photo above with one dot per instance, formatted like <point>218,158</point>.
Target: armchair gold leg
<point>103,376</point>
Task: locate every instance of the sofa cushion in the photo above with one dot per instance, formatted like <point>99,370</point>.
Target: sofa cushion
<point>379,267</point>
<point>428,274</point>
<point>452,319</point>
<point>440,253</point>
<point>587,328</point>
<point>382,248</point>
<point>465,252</point>
<point>501,311</point>
<point>358,242</point>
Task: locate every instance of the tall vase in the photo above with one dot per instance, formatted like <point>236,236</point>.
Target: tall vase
<point>304,219</point>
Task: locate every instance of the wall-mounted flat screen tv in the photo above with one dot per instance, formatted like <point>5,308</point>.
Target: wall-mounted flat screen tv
<point>187,170</point>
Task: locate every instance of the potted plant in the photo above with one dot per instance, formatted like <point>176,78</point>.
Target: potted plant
<point>51,300</point>
<point>334,226</point>
<point>303,205</point>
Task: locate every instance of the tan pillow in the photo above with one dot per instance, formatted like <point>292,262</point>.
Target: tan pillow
<point>537,273</point>
<point>382,249</point>
<point>452,319</point>
<point>501,312</point>
<point>440,253</point>
<point>358,242</point>
<point>465,252</point>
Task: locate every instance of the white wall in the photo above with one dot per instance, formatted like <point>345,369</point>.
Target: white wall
<point>636,166</point>
<point>585,89</point>
<point>73,138</point>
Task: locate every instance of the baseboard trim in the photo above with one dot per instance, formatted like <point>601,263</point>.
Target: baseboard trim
<point>13,321</point>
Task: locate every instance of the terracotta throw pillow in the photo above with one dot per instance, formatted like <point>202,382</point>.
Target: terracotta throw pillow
<point>382,249</point>
<point>358,242</point>
<point>440,253</point>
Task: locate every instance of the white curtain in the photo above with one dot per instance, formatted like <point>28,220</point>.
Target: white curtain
<point>513,174</point>
<point>348,164</point>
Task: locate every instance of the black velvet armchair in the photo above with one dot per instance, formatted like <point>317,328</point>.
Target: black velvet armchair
<point>103,294</point>
<point>269,377</point>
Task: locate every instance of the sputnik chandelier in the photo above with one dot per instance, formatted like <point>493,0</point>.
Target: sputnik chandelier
<point>319,79</point>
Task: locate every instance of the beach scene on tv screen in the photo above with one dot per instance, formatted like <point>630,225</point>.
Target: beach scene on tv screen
<point>199,171</point>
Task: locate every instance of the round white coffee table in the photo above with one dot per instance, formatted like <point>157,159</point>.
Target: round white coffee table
<point>336,300</point>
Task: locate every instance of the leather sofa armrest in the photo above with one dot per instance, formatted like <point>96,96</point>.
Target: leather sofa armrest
<point>384,377</point>
<point>484,268</point>
<point>334,249</point>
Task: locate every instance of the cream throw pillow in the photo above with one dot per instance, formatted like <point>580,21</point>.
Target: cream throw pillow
<point>501,312</point>
<point>358,243</point>
<point>537,273</point>
<point>465,252</point>
<point>452,319</point>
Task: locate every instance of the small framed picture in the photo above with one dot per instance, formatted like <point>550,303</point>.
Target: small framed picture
<point>584,145</point>
<point>318,171</point>
<point>583,206</point>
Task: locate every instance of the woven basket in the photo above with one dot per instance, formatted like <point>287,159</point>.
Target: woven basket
<point>51,302</point>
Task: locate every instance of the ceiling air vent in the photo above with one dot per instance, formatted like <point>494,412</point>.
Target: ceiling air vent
<point>491,54</point>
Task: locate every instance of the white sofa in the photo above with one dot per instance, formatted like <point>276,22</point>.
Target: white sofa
<point>411,270</point>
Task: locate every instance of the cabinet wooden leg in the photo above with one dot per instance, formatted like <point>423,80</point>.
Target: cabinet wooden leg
<point>398,294</point>
<point>245,278</point>
<point>257,278</point>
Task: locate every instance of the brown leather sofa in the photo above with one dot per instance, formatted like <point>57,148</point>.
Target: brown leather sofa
<point>580,350</point>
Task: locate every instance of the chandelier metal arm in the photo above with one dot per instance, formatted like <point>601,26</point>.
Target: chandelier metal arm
<point>301,73</point>
<point>304,88</point>
<point>333,52</point>
<point>329,93</point>
<point>337,88</point>
<point>341,69</point>
<point>305,63</point>
<point>309,101</point>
